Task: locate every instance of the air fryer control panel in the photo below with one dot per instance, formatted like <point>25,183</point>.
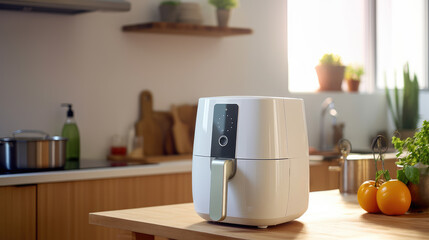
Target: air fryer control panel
<point>224,134</point>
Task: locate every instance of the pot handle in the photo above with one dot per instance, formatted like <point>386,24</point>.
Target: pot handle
<point>45,135</point>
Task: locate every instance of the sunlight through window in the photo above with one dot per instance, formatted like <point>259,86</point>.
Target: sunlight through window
<point>401,37</point>
<point>316,27</point>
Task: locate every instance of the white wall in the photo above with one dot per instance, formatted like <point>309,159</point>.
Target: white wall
<point>364,115</point>
<point>85,59</point>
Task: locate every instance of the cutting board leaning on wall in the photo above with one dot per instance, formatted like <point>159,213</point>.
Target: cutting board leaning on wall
<point>184,127</point>
<point>166,133</point>
<point>149,127</point>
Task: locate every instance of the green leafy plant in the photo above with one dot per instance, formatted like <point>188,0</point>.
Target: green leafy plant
<point>405,114</point>
<point>416,150</point>
<point>224,4</point>
<point>331,59</point>
<point>354,72</point>
<point>172,3</point>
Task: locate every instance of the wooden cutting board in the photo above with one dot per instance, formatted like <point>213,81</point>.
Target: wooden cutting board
<point>149,127</point>
<point>184,126</point>
<point>165,121</point>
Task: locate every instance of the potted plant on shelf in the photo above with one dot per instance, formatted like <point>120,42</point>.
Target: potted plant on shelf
<point>405,112</point>
<point>352,76</point>
<point>413,155</point>
<point>330,72</point>
<point>223,8</point>
<point>169,11</point>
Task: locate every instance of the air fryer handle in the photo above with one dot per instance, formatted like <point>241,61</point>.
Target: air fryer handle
<point>221,172</point>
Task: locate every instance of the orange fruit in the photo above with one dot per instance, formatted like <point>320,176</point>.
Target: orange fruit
<point>367,197</point>
<point>393,197</point>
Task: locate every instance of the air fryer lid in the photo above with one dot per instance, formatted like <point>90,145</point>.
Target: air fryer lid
<point>259,128</point>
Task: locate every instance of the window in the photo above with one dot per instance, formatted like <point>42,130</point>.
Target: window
<point>316,27</point>
<point>380,35</point>
<point>402,36</point>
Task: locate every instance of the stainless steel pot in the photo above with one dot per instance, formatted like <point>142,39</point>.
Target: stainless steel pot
<point>27,153</point>
<point>358,168</point>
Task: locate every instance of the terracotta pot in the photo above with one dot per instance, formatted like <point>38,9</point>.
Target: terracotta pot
<point>222,17</point>
<point>330,77</point>
<point>353,85</point>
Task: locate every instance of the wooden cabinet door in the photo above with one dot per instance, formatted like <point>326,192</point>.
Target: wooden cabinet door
<point>321,178</point>
<point>63,208</point>
<point>18,212</point>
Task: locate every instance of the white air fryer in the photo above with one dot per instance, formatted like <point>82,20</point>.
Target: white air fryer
<point>250,162</point>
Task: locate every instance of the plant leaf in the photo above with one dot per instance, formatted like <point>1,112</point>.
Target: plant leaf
<point>415,102</point>
<point>412,174</point>
<point>398,109</point>
<point>389,103</point>
<point>387,175</point>
<point>378,175</point>
<point>384,173</point>
<point>410,105</point>
<point>401,176</point>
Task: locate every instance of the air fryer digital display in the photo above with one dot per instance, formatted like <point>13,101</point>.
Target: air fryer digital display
<point>225,118</point>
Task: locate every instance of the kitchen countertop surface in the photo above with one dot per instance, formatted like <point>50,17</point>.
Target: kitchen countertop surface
<point>93,169</point>
<point>330,216</point>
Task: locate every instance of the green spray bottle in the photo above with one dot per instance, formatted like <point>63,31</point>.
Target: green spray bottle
<point>71,132</point>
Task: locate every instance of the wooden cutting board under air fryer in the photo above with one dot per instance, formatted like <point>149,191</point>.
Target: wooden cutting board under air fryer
<point>149,127</point>
<point>184,125</point>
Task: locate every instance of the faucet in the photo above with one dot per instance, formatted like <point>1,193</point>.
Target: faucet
<point>328,107</point>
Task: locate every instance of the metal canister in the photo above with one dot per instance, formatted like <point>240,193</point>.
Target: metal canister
<point>358,168</point>
<point>355,169</point>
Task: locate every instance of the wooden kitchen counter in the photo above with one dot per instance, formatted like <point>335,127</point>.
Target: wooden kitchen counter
<point>329,216</point>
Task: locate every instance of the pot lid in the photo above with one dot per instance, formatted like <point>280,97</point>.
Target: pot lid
<point>36,135</point>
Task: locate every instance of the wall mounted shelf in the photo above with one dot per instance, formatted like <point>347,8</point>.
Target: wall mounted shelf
<point>185,29</point>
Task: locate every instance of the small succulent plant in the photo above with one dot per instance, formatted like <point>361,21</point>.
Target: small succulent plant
<point>224,4</point>
<point>331,59</point>
<point>354,72</point>
<point>172,3</point>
